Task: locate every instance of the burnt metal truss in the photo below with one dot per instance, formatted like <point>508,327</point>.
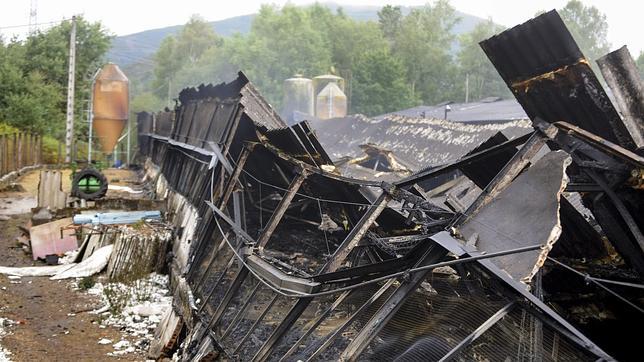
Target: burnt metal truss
<point>251,307</point>
<point>291,260</point>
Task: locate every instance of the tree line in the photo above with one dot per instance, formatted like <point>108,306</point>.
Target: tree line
<point>400,61</point>
<point>33,76</point>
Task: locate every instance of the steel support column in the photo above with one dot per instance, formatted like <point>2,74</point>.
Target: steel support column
<point>234,177</point>
<point>356,234</point>
<point>279,212</point>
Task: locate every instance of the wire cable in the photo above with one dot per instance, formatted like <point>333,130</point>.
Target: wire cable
<point>36,24</point>
<point>593,280</point>
<point>296,294</point>
<point>401,208</point>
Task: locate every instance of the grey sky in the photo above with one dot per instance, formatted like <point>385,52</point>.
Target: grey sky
<point>131,16</point>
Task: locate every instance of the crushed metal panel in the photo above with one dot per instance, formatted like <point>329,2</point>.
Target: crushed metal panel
<point>483,172</point>
<point>46,238</point>
<point>50,190</point>
<point>550,77</point>
<point>525,213</point>
<point>164,123</point>
<point>623,78</point>
<point>299,141</point>
<point>417,142</point>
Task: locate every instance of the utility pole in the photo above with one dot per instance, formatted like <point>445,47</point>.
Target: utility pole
<point>90,125</point>
<point>69,132</point>
<point>90,117</point>
<point>467,87</point>
<point>33,17</point>
<point>169,92</point>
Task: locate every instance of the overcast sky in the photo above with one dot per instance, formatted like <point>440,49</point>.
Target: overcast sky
<point>130,16</point>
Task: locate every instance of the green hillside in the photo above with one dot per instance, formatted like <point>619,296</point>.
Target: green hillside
<point>139,47</point>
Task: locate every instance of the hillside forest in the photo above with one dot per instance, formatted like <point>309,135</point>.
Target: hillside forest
<point>401,60</point>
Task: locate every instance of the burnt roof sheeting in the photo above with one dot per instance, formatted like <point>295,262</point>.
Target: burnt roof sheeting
<point>163,123</point>
<point>482,173</point>
<point>208,112</point>
<point>144,127</point>
<point>483,111</point>
<point>543,66</point>
<point>299,140</point>
<point>416,142</point>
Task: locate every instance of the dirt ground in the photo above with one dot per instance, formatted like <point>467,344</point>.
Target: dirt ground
<point>52,317</point>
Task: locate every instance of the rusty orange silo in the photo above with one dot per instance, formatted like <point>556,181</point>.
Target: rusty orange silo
<point>110,105</point>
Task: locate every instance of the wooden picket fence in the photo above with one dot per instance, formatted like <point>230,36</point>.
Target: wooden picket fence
<point>19,150</point>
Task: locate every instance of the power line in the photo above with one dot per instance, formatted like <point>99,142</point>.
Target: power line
<point>28,25</point>
<point>598,283</point>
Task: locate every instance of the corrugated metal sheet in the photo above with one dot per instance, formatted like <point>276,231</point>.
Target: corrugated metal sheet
<point>483,111</point>
<point>417,142</point>
<point>209,112</point>
<point>164,123</point>
<point>550,77</point>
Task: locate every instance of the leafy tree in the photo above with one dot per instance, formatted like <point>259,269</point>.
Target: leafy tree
<point>483,79</point>
<point>33,76</point>
<point>423,44</point>
<point>146,101</point>
<point>281,42</point>
<point>390,19</point>
<point>31,107</point>
<point>379,84</point>
<point>640,64</point>
<point>588,27</point>
<point>350,39</point>
<point>186,48</point>
<point>48,52</point>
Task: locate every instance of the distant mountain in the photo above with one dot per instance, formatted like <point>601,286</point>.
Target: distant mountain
<point>139,47</point>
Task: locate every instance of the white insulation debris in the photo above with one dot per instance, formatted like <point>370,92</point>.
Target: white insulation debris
<point>147,301</point>
<point>5,355</point>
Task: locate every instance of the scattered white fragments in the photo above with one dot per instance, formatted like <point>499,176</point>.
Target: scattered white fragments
<point>104,341</point>
<point>121,344</point>
<point>5,354</point>
<point>69,257</point>
<point>139,318</point>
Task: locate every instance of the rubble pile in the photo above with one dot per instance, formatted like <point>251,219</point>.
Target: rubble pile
<point>282,252</point>
<point>141,306</point>
<point>5,324</point>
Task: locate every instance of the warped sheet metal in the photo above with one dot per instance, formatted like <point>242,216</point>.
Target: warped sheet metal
<point>418,142</point>
<point>548,74</point>
<point>525,213</point>
<point>52,239</point>
<point>487,110</point>
<point>274,221</point>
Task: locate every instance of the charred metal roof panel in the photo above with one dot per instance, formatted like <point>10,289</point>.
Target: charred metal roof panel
<point>144,123</point>
<point>417,142</point>
<point>164,122</point>
<point>208,112</point>
<point>299,141</point>
<point>550,77</point>
<point>485,110</point>
<point>482,173</point>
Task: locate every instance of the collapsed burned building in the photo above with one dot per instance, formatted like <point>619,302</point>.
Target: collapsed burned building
<point>279,255</point>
